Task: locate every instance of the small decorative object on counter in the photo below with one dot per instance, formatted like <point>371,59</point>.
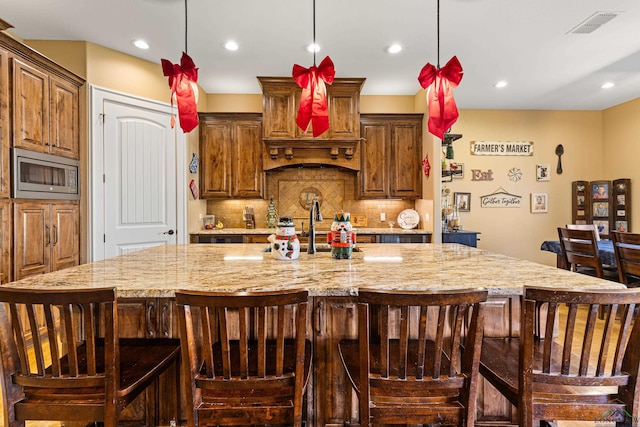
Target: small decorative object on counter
<point>272,214</point>
<point>193,166</point>
<point>285,244</point>
<point>342,238</point>
<point>209,222</point>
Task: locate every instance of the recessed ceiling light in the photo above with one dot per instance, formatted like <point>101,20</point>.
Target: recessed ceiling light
<point>141,44</point>
<point>313,48</point>
<point>500,84</point>
<point>231,45</point>
<point>394,48</point>
<point>608,85</point>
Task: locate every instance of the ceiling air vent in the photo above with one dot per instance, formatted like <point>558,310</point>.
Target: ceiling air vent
<point>593,22</point>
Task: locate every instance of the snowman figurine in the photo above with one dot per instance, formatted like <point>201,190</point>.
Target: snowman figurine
<point>342,238</point>
<point>285,244</point>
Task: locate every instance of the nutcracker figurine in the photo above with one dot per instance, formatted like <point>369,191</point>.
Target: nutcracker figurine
<point>341,238</point>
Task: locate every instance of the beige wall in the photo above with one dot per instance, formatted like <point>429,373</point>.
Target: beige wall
<point>598,145</point>
<point>516,231</point>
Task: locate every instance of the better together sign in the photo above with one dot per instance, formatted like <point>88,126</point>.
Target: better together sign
<point>506,148</point>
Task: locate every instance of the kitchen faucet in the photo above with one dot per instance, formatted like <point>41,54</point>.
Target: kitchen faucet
<point>314,215</point>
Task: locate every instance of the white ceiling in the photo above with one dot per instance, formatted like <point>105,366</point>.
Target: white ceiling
<point>525,42</point>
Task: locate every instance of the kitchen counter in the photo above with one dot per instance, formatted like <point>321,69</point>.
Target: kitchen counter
<point>267,231</point>
<point>157,272</point>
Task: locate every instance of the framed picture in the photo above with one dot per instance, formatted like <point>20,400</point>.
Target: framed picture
<point>580,200</point>
<point>462,201</point>
<point>600,190</point>
<point>539,203</point>
<point>600,209</point>
<point>602,226</point>
<point>543,173</point>
<point>621,199</point>
<point>621,226</point>
<point>459,171</point>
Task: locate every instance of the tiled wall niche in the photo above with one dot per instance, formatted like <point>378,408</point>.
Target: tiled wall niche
<point>337,190</point>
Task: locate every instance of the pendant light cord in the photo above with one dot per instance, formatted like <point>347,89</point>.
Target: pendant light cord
<point>314,33</point>
<point>186,27</point>
<point>438,30</point>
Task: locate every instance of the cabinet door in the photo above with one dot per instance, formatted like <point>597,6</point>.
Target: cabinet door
<point>334,400</point>
<point>4,123</point>
<point>65,236</point>
<point>247,174</point>
<point>64,119</point>
<point>405,165</point>
<point>373,178</point>
<point>31,239</point>
<point>281,104</point>
<point>5,241</point>
<point>215,153</point>
<point>344,115</point>
<point>31,107</point>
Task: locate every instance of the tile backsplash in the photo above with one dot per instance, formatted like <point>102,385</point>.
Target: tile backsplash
<point>291,188</point>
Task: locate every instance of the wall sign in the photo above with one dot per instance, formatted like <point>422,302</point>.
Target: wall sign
<point>500,199</point>
<point>505,148</point>
<point>478,175</point>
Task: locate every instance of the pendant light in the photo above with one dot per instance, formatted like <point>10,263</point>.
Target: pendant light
<point>183,79</point>
<point>440,83</point>
<point>313,100</point>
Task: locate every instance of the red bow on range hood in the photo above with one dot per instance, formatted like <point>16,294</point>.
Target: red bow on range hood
<point>313,101</point>
<point>182,79</point>
<point>440,83</point>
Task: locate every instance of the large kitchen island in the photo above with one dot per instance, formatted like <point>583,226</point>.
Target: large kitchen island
<point>147,280</point>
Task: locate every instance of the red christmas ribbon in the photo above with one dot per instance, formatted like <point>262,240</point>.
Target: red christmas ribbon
<point>180,78</point>
<point>313,101</point>
<point>443,112</point>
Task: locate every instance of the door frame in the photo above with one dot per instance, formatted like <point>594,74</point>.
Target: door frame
<point>95,187</point>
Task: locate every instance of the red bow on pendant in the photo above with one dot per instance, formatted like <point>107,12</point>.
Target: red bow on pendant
<point>313,101</point>
<point>443,112</point>
<point>180,79</point>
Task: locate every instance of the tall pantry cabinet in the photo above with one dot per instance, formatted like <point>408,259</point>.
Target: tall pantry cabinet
<point>39,111</point>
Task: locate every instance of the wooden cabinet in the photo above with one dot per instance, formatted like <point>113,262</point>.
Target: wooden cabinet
<point>231,156</point>
<point>390,156</point>
<point>147,318</point>
<point>281,99</point>
<point>46,237</point>
<point>45,116</point>
<point>4,123</point>
<point>6,228</point>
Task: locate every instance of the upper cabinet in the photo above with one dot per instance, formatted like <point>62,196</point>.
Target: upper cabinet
<point>281,98</point>
<point>391,152</point>
<point>286,144</point>
<point>45,117</point>
<point>231,155</point>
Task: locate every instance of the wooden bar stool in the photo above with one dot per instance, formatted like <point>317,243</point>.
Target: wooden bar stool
<point>57,365</point>
<point>416,357</point>
<point>589,373</point>
<point>246,359</point>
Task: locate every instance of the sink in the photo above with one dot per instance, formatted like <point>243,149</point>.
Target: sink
<point>321,247</point>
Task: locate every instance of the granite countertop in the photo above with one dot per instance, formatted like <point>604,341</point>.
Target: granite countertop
<point>161,270</point>
<point>267,231</point>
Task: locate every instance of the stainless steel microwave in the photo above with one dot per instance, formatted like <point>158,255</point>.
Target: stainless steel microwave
<point>43,176</point>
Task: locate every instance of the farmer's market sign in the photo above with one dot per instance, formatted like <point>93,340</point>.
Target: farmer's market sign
<point>505,148</point>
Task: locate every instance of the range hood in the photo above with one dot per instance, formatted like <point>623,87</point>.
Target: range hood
<point>280,153</point>
<point>285,145</point>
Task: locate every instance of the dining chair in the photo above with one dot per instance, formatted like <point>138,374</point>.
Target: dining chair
<point>626,247</point>
<point>584,227</point>
<point>579,249</point>
<point>416,357</point>
<point>567,364</point>
<point>246,358</point>
<point>58,365</point>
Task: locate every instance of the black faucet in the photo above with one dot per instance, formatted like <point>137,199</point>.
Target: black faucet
<point>314,215</point>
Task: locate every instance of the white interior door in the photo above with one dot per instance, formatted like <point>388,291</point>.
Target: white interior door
<point>140,184</point>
